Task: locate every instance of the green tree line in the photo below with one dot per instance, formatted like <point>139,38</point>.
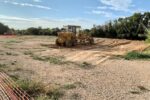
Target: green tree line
<point>38,31</point>
<point>133,27</point>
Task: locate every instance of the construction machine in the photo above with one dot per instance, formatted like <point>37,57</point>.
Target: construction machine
<point>85,38</point>
<point>69,39</point>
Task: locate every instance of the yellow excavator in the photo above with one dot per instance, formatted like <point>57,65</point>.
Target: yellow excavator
<point>70,39</point>
<point>67,39</point>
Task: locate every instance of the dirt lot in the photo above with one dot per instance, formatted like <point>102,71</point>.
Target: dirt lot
<point>93,72</point>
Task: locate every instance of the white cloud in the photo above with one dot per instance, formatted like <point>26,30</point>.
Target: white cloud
<point>104,13</point>
<point>4,17</point>
<point>37,0</point>
<point>27,5</point>
<point>108,7</point>
<point>102,7</point>
<point>139,10</point>
<point>22,23</point>
<point>118,5</point>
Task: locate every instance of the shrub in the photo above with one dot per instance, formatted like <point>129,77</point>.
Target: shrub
<point>38,91</point>
<point>148,36</point>
<point>3,28</point>
<point>32,88</point>
<point>136,55</point>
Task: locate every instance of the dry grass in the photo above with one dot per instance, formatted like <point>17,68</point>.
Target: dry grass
<point>68,68</point>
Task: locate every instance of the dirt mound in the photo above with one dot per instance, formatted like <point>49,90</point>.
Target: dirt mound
<point>102,50</point>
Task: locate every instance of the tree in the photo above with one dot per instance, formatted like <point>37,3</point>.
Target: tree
<point>3,28</point>
<point>128,28</point>
<point>55,31</point>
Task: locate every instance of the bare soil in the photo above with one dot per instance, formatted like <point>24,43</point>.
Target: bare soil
<point>93,70</point>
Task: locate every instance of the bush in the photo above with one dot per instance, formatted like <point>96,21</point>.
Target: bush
<point>38,91</point>
<point>3,28</point>
<point>32,88</point>
<point>136,55</point>
<point>148,36</point>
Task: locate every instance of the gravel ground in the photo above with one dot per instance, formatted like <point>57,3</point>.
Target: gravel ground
<point>113,79</point>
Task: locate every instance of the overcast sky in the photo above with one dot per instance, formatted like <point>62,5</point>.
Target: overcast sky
<point>22,14</point>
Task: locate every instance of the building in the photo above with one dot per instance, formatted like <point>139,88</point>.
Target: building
<point>72,28</point>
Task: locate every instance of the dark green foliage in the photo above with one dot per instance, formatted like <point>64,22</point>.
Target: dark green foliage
<point>136,55</point>
<point>132,27</point>
<point>38,31</point>
<point>3,28</point>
